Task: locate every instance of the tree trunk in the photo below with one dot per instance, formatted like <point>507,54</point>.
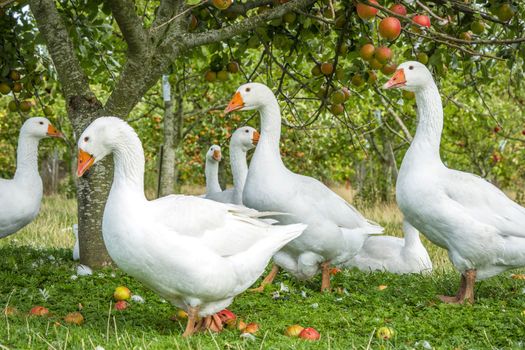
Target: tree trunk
<point>167,169</point>
<point>150,53</point>
<point>92,192</point>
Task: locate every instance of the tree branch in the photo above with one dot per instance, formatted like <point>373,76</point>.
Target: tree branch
<point>212,36</point>
<point>74,81</point>
<point>130,25</point>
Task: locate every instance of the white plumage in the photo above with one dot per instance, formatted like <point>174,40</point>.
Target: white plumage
<point>393,254</point>
<point>336,231</point>
<point>20,197</point>
<point>482,229</point>
<point>196,253</point>
<point>242,140</point>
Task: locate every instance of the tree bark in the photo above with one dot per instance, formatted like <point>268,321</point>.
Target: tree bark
<point>167,178</point>
<point>83,107</point>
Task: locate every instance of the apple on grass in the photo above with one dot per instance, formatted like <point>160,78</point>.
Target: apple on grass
<point>122,293</point>
<point>39,311</point>
<point>74,318</point>
<point>121,305</point>
<point>251,328</point>
<point>385,333</point>
<point>309,334</point>
<point>293,330</point>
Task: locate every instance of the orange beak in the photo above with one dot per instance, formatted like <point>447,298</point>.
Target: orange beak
<point>235,103</point>
<point>53,132</point>
<point>85,161</point>
<point>255,137</point>
<point>217,155</point>
<point>397,80</point>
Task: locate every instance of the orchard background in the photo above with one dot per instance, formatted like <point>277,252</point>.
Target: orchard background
<point>76,60</point>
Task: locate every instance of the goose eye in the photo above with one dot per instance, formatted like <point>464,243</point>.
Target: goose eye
<point>86,139</point>
<point>410,67</point>
<point>41,123</point>
<point>247,89</point>
<point>246,130</point>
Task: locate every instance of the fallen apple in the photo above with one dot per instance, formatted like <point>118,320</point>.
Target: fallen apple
<point>251,328</point>
<point>241,325</point>
<point>385,333</point>
<point>382,287</point>
<point>309,334</point>
<point>10,311</point>
<point>121,305</point>
<point>293,330</point>
<point>74,318</point>
<point>227,317</point>
<point>122,293</point>
<point>39,311</point>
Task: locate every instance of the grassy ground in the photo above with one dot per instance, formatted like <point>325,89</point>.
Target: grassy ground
<point>36,269</point>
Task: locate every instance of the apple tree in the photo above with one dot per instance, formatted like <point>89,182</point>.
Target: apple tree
<point>325,60</point>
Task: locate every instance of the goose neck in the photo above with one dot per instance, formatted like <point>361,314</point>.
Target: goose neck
<point>128,157</point>
<point>239,168</point>
<point>270,127</point>
<point>27,156</point>
<point>430,123</point>
<point>411,237</point>
<point>212,177</point>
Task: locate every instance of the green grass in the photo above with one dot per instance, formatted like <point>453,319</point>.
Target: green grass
<point>346,319</point>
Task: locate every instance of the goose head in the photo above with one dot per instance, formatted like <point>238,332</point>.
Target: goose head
<point>214,154</point>
<point>245,138</point>
<point>97,141</point>
<point>39,127</point>
<point>250,96</point>
<point>411,76</point>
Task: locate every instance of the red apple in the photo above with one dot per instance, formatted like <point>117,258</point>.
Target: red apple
<point>383,54</point>
<point>227,317</point>
<point>389,69</point>
<point>399,9</point>
<point>366,12</point>
<point>309,334</point>
<point>390,28</point>
<point>367,51</point>
<point>327,68</point>
<point>121,305</point>
<point>39,311</point>
<point>422,20</point>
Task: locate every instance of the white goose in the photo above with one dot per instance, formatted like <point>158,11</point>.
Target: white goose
<point>211,170</point>
<point>336,230</point>
<point>482,229</point>
<point>242,140</point>
<point>393,254</point>
<point>196,253</point>
<point>20,197</point>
